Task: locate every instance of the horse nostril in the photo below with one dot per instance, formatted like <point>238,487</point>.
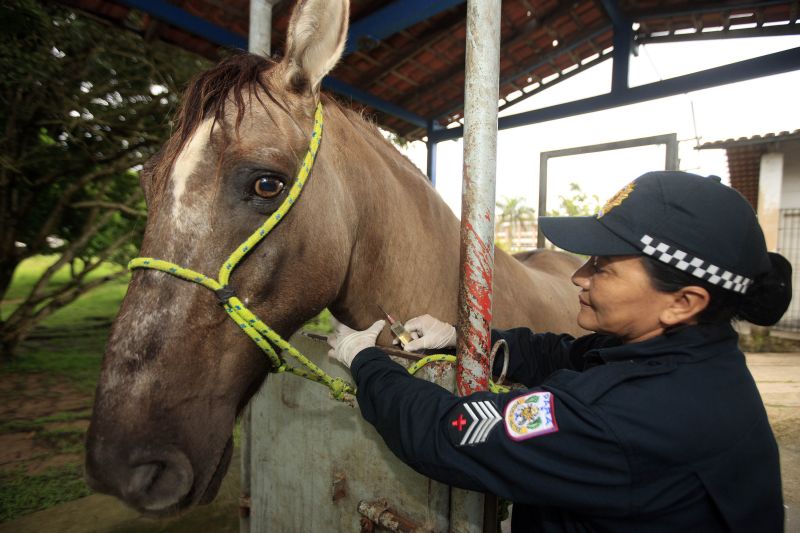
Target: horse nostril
<point>160,484</point>
<point>143,478</point>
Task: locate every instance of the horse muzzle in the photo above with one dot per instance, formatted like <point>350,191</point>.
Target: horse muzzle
<point>153,482</point>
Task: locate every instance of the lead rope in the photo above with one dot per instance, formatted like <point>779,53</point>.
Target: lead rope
<point>265,337</point>
<point>447,358</point>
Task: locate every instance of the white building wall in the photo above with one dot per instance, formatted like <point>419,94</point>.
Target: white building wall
<point>791,175</point>
<point>770,185</point>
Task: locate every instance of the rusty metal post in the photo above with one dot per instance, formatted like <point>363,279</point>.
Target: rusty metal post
<point>481,89</point>
<point>478,191</point>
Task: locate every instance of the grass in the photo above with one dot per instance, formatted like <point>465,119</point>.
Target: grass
<point>67,346</point>
<point>22,493</point>
<point>15,426</point>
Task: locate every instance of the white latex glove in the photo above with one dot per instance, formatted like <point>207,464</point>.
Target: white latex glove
<point>432,334</point>
<point>347,342</point>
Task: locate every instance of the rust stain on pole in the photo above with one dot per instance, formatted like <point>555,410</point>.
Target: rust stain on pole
<point>476,311</point>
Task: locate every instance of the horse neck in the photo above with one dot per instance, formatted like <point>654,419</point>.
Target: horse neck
<point>404,255</point>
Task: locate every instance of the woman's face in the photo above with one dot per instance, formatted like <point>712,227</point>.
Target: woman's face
<point>617,298</point>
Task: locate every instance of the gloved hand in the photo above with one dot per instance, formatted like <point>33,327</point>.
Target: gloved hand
<point>347,342</point>
<point>431,333</point>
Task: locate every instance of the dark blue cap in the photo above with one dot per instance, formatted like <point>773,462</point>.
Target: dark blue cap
<point>692,223</point>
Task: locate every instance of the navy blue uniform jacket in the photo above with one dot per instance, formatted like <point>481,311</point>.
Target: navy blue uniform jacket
<point>669,434</point>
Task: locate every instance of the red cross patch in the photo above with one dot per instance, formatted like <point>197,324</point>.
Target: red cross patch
<point>459,422</point>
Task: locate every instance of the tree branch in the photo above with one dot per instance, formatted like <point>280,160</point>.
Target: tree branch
<point>110,205</point>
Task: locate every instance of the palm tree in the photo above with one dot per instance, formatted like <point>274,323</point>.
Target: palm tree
<point>515,213</point>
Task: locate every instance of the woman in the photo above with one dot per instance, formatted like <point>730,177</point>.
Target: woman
<point>653,423</point>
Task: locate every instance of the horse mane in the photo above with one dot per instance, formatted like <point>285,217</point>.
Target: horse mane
<point>235,80</point>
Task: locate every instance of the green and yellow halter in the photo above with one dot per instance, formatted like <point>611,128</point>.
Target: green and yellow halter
<point>265,337</point>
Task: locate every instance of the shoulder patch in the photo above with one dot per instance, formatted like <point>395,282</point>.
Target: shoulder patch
<point>530,415</point>
<point>472,422</point>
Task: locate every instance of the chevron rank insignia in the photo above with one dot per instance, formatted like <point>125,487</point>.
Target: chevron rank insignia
<point>530,415</point>
<point>472,422</point>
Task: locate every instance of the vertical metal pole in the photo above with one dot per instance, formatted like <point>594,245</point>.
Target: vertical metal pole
<point>478,193</point>
<point>260,27</point>
<point>623,37</point>
<point>543,160</point>
<point>431,167</point>
<point>481,90</point>
<point>259,42</point>
<point>621,57</point>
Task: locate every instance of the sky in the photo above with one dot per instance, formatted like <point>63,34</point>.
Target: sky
<point>744,109</point>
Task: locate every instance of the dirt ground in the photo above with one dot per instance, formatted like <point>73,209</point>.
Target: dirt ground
<point>28,397</point>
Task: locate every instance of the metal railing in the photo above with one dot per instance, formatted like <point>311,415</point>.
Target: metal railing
<point>789,247</point>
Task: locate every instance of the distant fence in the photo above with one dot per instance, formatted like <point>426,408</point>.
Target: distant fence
<point>789,247</point>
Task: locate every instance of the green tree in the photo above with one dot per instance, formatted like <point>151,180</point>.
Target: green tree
<point>515,213</point>
<point>578,203</point>
<point>84,105</point>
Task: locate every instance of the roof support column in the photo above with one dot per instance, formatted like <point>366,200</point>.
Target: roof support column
<point>482,79</point>
<point>623,36</point>
<point>623,39</point>
<point>259,42</point>
<point>432,144</point>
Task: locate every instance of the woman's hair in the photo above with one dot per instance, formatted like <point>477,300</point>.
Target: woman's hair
<point>764,304</point>
<point>723,305</point>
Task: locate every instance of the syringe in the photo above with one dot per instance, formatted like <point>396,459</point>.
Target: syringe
<point>397,328</point>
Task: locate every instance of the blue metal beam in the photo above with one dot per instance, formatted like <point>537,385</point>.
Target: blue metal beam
<point>614,13</point>
<point>198,26</point>
<point>432,149</point>
<point>373,101</point>
<point>768,65</point>
<point>623,38</point>
<point>392,18</point>
<point>184,20</point>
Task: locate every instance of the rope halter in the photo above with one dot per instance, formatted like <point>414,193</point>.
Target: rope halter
<point>265,338</point>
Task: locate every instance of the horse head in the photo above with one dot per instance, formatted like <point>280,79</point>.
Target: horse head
<point>176,371</point>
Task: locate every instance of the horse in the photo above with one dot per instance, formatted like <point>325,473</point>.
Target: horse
<point>368,229</point>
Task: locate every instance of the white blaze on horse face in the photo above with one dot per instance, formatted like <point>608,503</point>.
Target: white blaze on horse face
<point>192,218</point>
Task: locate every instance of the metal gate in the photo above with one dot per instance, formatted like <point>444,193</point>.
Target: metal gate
<point>789,247</point>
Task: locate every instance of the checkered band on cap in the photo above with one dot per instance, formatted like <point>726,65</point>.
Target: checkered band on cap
<point>695,266</point>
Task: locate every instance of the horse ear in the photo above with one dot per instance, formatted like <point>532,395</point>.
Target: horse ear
<point>315,41</point>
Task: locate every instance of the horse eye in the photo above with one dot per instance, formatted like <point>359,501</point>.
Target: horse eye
<point>268,187</point>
